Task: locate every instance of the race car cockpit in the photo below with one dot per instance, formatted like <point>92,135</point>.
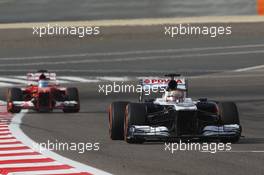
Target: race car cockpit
<point>172,93</point>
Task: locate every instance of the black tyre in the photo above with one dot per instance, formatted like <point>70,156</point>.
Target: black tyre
<point>14,94</point>
<point>72,94</point>
<point>229,115</point>
<point>135,115</point>
<point>116,115</point>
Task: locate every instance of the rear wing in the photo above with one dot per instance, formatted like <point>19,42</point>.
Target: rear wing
<point>147,83</point>
<point>34,77</point>
<point>151,83</point>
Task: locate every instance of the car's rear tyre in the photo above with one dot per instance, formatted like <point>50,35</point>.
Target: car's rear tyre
<point>116,115</point>
<point>72,94</point>
<point>135,115</point>
<point>14,94</point>
<point>229,115</point>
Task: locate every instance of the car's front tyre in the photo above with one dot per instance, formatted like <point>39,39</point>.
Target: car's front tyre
<point>116,115</point>
<point>72,94</point>
<point>229,115</point>
<point>14,94</point>
<point>135,115</point>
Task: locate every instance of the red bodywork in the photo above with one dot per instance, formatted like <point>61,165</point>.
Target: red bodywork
<point>44,98</point>
<point>43,94</point>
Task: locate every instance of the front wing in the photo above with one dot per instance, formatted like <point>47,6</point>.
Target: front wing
<point>31,105</point>
<point>161,133</point>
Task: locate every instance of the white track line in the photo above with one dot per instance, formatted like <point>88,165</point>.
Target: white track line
<point>11,145</point>
<point>4,132</point>
<point>241,151</point>
<point>17,151</point>
<point>3,125</point>
<point>3,128</point>
<point>21,77</point>
<point>14,127</point>
<point>78,79</point>
<point>13,80</point>
<point>62,82</point>
<point>129,59</point>
<point>29,165</point>
<point>8,140</point>
<point>135,52</point>
<point>62,79</point>
<point>249,68</point>
<point>19,134</point>
<point>32,157</point>
<point>113,78</point>
<point>4,120</point>
<point>97,79</point>
<point>65,172</point>
<point>6,136</point>
<point>6,84</point>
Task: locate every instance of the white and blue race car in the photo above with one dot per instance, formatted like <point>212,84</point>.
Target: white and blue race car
<point>173,116</point>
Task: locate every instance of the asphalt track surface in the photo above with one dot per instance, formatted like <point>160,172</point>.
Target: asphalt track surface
<point>63,10</point>
<point>126,51</point>
<point>216,80</point>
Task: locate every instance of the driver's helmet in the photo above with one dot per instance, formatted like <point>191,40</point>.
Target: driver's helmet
<point>42,77</point>
<point>43,83</point>
<point>174,95</point>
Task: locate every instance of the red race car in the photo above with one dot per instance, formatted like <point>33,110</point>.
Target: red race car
<point>43,94</point>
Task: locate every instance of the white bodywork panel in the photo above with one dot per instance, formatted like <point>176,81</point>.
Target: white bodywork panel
<point>186,105</point>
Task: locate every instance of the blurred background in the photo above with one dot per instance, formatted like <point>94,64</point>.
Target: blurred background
<point>64,10</point>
